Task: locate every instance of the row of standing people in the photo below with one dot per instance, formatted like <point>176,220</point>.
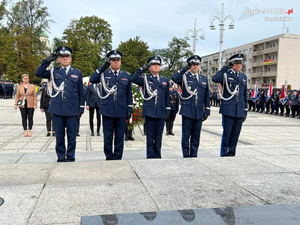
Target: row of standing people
<point>273,105</point>
<point>67,103</point>
<point>7,89</point>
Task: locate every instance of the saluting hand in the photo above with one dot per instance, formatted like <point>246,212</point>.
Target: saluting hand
<point>51,57</point>
<point>145,67</point>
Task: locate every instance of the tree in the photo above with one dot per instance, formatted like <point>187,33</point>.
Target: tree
<point>21,48</point>
<point>90,39</point>
<point>174,55</point>
<point>135,54</point>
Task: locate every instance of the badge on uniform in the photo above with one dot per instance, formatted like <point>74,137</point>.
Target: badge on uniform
<point>203,83</point>
<point>164,83</point>
<point>74,76</point>
<point>124,79</point>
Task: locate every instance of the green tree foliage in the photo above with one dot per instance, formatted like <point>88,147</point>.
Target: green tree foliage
<point>135,54</point>
<point>174,56</point>
<point>90,39</point>
<point>21,47</point>
<point>2,9</point>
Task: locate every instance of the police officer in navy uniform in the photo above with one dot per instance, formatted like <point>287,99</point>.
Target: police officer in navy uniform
<point>174,100</point>
<point>67,100</point>
<point>115,103</point>
<point>156,106</point>
<point>195,104</point>
<point>234,102</point>
<point>92,105</point>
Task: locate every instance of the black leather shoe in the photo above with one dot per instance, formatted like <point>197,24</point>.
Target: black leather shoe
<point>77,135</point>
<point>53,134</point>
<point>92,133</point>
<point>48,135</point>
<point>98,134</point>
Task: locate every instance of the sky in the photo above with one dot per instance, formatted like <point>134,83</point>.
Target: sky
<point>158,21</point>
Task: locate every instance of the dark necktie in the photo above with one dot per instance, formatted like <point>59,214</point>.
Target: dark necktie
<point>65,68</point>
<point>237,74</point>
<point>116,74</point>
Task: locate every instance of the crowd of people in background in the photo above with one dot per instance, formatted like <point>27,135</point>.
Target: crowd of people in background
<point>7,89</point>
<point>272,106</point>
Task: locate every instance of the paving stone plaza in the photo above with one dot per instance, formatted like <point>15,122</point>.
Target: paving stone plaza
<point>261,183</point>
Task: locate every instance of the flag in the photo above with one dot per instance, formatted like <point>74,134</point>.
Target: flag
<point>269,94</point>
<point>254,95</point>
<point>283,95</point>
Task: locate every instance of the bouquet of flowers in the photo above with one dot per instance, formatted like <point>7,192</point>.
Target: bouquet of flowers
<point>136,117</point>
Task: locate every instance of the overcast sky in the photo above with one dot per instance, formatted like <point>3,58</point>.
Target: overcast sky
<point>158,21</point>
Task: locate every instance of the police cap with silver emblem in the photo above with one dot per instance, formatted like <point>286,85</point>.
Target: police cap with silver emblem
<point>63,50</point>
<point>237,58</point>
<point>194,59</point>
<point>154,60</point>
<point>114,54</point>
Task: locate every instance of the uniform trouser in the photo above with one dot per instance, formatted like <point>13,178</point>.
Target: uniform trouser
<point>294,109</point>
<point>267,106</point>
<point>287,109</point>
<point>27,113</point>
<point>276,107</point>
<point>249,104</point>
<point>172,116</point>
<point>231,130</point>
<point>191,129</point>
<point>154,131</point>
<point>48,120</point>
<point>281,108</point>
<point>91,114</point>
<point>60,123</point>
<point>111,125</point>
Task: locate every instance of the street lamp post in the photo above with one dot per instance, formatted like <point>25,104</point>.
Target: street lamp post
<point>194,36</point>
<point>221,24</point>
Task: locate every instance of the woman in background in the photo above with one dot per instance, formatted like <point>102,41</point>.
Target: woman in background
<point>26,91</point>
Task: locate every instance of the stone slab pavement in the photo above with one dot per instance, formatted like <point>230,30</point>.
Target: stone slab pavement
<point>38,190</point>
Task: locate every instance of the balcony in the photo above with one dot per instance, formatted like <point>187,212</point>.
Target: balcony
<point>271,50</point>
<point>257,63</point>
<point>270,74</point>
<point>204,67</point>
<point>256,75</point>
<point>214,65</point>
<point>258,52</point>
<point>264,74</point>
<point>265,51</point>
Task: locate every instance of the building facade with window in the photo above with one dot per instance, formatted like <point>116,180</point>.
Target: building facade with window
<point>273,59</point>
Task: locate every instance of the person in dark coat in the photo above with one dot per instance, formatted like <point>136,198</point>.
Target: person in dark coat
<point>115,103</point>
<point>174,100</point>
<point>67,100</point>
<point>234,103</point>
<point>195,104</point>
<point>156,105</point>
<point>44,105</point>
<point>92,105</point>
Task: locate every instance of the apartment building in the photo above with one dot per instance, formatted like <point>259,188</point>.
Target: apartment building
<point>273,59</point>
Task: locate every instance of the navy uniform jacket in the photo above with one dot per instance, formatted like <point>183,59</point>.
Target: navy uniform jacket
<point>188,107</point>
<point>237,105</point>
<point>72,102</point>
<point>163,98</point>
<point>92,98</point>
<point>123,103</point>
